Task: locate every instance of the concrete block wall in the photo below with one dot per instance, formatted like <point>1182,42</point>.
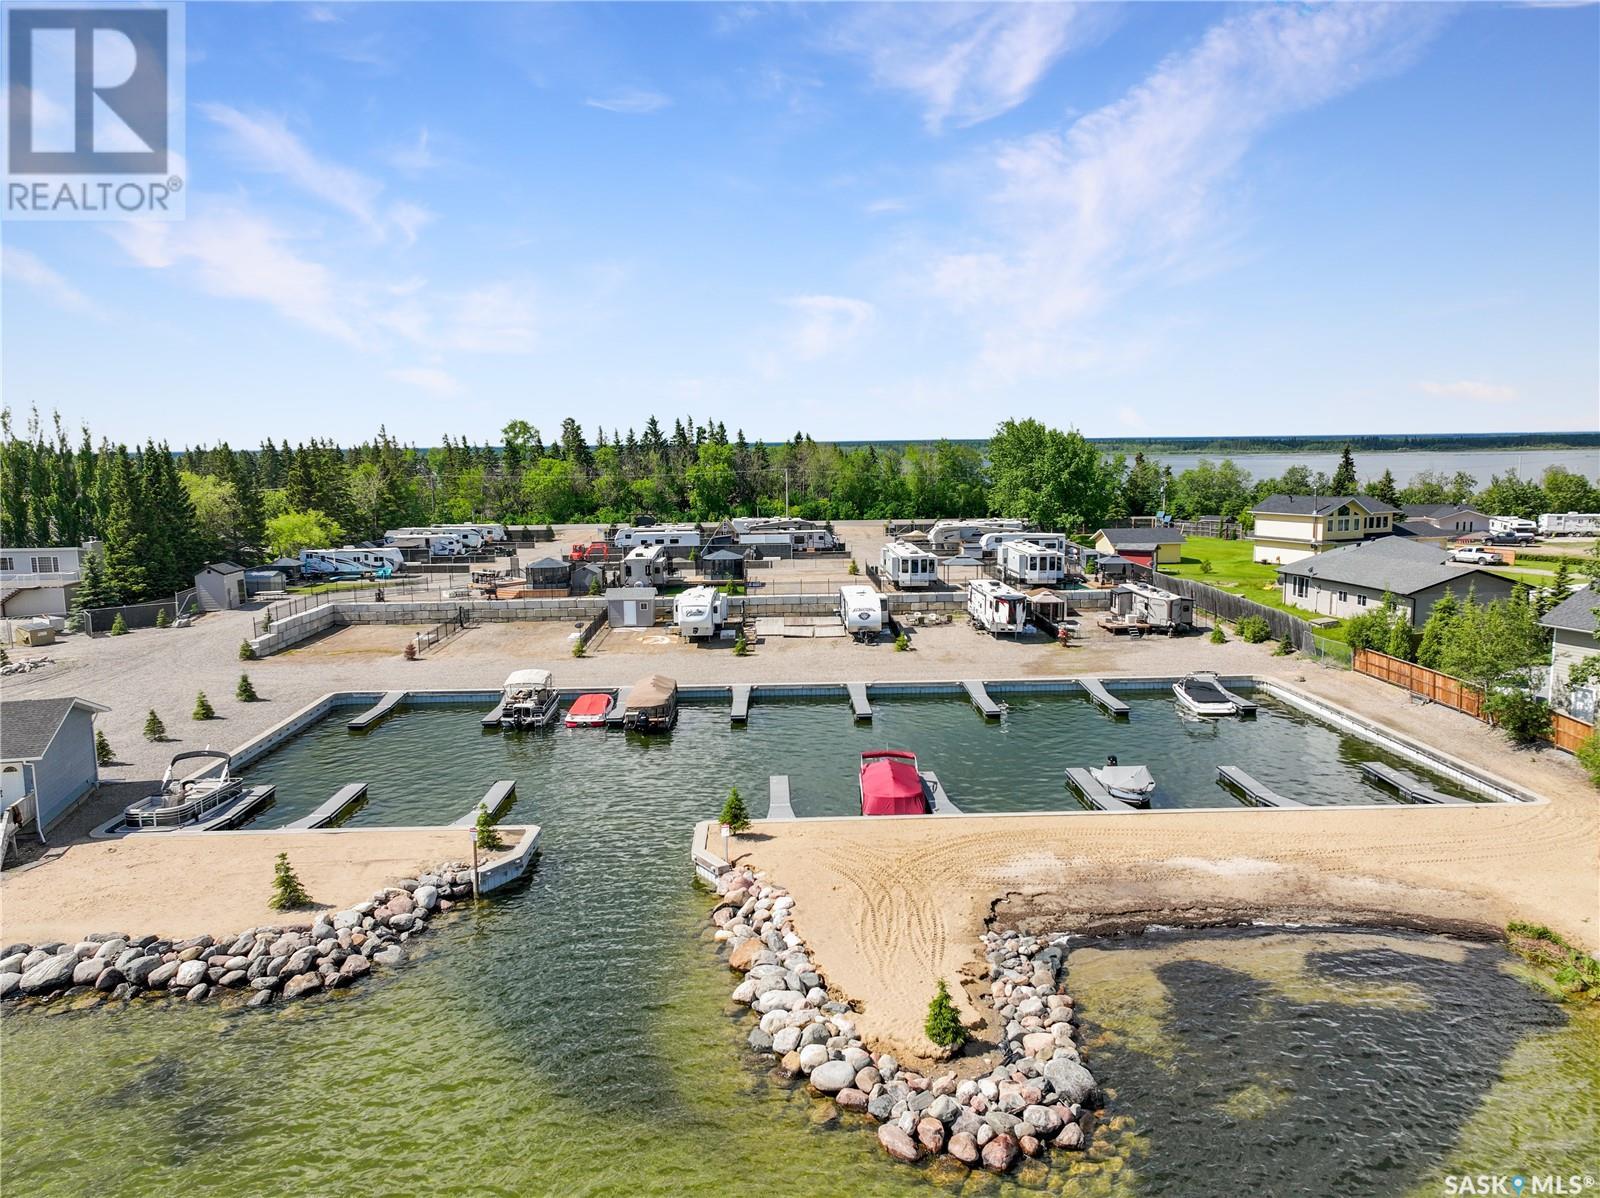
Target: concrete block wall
<point>291,630</point>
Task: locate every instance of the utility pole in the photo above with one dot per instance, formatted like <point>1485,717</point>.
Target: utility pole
<point>786,492</point>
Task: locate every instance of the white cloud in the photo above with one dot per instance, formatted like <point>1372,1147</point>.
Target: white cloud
<point>27,268</point>
<point>1478,392</point>
<point>321,14</point>
<point>826,324</point>
<point>428,378</point>
<point>631,101</point>
<point>494,319</point>
<point>416,158</point>
<point>888,204</point>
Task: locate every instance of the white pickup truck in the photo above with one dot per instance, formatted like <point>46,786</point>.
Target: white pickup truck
<point>1478,557</point>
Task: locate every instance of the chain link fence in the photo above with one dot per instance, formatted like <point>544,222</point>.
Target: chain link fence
<point>97,621</point>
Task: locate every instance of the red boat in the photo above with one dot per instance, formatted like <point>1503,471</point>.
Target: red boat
<point>589,711</point>
<point>891,784</point>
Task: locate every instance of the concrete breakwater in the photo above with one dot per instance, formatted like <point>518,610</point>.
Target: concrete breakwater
<point>1031,1096</point>
<point>255,968</point>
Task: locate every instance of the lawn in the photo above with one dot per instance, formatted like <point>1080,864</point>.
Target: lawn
<point>1234,572</point>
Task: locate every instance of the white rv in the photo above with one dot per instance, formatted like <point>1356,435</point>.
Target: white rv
<point>1031,563</point>
<point>992,541</point>
<point>1137,605</point>
<point>1512,524</point>
<point>471,539</point>
<point>349,560</point>
<point>908,565</point>
<point>995,607</point>
<point>645,566</point>
<point>488,534</point>
<point>862,610</point>
<point>700,612</point>
<point>436,544</point>
<point>782,530</point>
<point>1569,524</point>
<point>670,536</point>
<point>955,536</point>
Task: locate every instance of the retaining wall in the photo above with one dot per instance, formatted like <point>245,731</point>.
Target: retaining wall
<point>293,629</point>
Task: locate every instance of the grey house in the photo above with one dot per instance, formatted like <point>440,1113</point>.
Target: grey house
<point>1352,579</point>
<point>47,761</point>
<point>1572,627</point>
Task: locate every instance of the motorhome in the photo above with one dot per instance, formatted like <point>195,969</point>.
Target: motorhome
<point>991,542</point>
<point>1139,607</point>
<point>434,544</point>
<point>1513,524</point>
<point>1569,524</point>
<point>700,613</point>
<point>377,563</point>
<point>680,537</point>
<point>957,536</point>
<point>1032,563</point>
<point>995,607</point>
<point>908,565</point>
<point>645,566</point>
<point>862,610</point>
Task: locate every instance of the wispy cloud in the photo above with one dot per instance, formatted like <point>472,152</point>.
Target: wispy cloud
<point>888,204</point>
<point>428,378</point>
<point>1469,389</point>
<point>631,101</point>
<point>417,157</point>
<point>321,14</point>
<point>826,324</point>
<point>28,269</point>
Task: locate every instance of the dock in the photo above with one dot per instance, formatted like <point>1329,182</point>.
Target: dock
<point>614,716</point>
<point>236,812</point>
<point>1258,793</point>
<point>858,700</point>
<point>981,700</point>
<point>1098,796</point>
<point>497,800</point>
<point>941,803</point>
<point>334,809</point>
<point>778,806</point>
<point>1408,789</point>
<point>1240,704</point>
<point>740,712</point>
<point>385,705</point>
<point>492,720</point>
<point>1098,692</point>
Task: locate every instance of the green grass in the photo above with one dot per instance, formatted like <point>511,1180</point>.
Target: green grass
<point>322,588</point>
<point>1234,572</point>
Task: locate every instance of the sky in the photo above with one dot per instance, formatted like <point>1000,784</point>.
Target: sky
<point>897,221</point>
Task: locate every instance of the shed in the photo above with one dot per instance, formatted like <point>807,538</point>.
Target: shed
<point>631,607</point>
<point>1146,546</point>
<point>547,572</point>
<point>47,760</point>
<point>722,563</point>
<point>220,586</point>
<point>289,567</point>
<point>256,581</point>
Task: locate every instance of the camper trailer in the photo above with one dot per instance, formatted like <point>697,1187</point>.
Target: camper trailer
<point>645,566</point>
<point>908,565</point>
<point>700,613</point>
<point>435,544</point>
<point>1137,606</point>
<point>325,563</point>
<point>862,610</point>
<point>957,536</point>
<point>800,535</point>
<point>678,537</point>
<point>470,538</point>
<point>1569,524</point>
<point>991,542</point>
<point>1515,525</point>
<point>995,607</point>
<point>1032,563</point>
<point>487,534</point>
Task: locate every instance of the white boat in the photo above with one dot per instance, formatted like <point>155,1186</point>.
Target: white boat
<point>1202,694</point>
<point>530,700</point>
<point>183,802</point>
<point>1130,783</point>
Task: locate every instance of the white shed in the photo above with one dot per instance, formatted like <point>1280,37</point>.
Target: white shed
<point>220,586</point>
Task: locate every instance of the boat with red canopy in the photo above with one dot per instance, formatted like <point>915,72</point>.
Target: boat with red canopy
<point>891,784</point>
<point>590,711</point>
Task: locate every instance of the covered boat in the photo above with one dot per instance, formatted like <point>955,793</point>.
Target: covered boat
<point>1202,694</point>
<point>1130,783</point>
<point>652,704</point>
<point>529,699</point>
<point>590,711</point>
<point>891,784</point>
<point>184,802</point>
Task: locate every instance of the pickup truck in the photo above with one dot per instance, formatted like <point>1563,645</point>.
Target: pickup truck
<point>1510,538</point>
<point>1478,557</point>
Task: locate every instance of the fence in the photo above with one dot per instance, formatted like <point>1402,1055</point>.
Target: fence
<point>1234,608</point>
<point>399,589</point>
<point>97,621</point>
<point>1568,732</point>
<point>440,633</point>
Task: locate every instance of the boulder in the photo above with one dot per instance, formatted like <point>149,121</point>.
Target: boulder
<point>963,1147</point>
<point>880,1106</point>
<point>355,966</point>
<point>1039,1044</point>
<point>832,1076</point>
<point>138,970</point>
<point>930,1134</point>
<point>426,897</point>
<point>190,974</point>
<point>867,1078</point>
<point>1072,1082</point>
<point>1070,1137</point>
<point>851,1099</point>
<point>52,973</point>
<point>233,979</point>
<point>746,955</point>
<point>163,974</point>
<point>786,1040</point>
<point>391,956</point>
<point>85,971</point>
<point>1043,1121</point>
<point>778,1000</point>
<point>109,979</point>
<point>197,992</point>
<point>813,1055</point>
<point>9,981</point>
<point>260,998</point>
<point>302,984</point>
<point>1029,1145</point>
<point>760,1041</point>
<point>1000,1153</point>
<point>897,1143</point>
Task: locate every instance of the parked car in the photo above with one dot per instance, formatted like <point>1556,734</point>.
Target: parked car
<point>1478,557</point>
<point>1510,538</point>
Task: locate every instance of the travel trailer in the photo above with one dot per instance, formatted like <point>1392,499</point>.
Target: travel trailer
<point>488,534</point>
<point>908,565</point>
<point>184,802</point>
<point>862,610</point>
<point>802,535</point>
<point>434,544</point>
<point>645,566</point>
<point>375,562</point>
<point>1032,563</point>
<point>956,536</point>
<point>1569,524</point>
<point>995,607</point>
<point>681,537</point>
<point>529,700</point>
<point>1513,524</point>
<point>700,613</point>
<point>471,539</point>
<point>1139,607</point>
<point>991,542</point>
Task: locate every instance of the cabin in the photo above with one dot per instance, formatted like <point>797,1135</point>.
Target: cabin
<point>1137,605</point>
<point>220,587</point>
<point>1032,563</point>
<point>862,611</point>
<point>631,607</point>
<point>1291,528</point>
<point>1353,579</point>
<point>996,607</point>
<point>47,760</point>
<point>700,613</point>
<point>907,565</point>
<point>1150,547</point>
<point>646,566</point>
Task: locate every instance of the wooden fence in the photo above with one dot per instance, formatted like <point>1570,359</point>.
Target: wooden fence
<point>1568,732</point>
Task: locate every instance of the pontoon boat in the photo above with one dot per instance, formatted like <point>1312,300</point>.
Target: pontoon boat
<point>530,700</point>
<point>590,711</point>
<point>1202,694</point>
<point>183,802</point>
<point>1130,783</point>
<point>652,704</point>
<point>891,784</point>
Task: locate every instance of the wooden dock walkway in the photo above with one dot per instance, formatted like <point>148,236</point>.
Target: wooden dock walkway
<point>1242,705</point>
<point>236,812</point>
<point>1409,789</point>
<point>334,809</point>
<point>497,799</point>
<point>980,699</point>
<point>859,705</point>
<point>740,711</point>
<point>936,791</point>
<point>1097,691</point>
<point>1098,796</point>
<point>778,805</point>
<point>614,716</point>
<point>385,705</point>
<point>492,720</point>
<point>1257,792</point>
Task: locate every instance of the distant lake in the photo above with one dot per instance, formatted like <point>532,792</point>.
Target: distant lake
<point>1406,465</point>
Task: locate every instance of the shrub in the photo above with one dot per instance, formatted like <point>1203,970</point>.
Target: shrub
<point>410,651</point>
<point>5,656</point>
<point>944,1026</point>
<point>102,749</point>
<point>1589,756</point>
<point>287,893</point>
<point>1218,637</point>
<point>734,812</point>
<point>1523,717</point>
<point>154,729</point>
<point>266,621</point>
<point>595,589</point>
<point>1206,567</point>
<point>245,692</point>
<point>579,648</point>
<point>902,643</point>
<point>246,653</point>
<point>852,569</point>
<point>741,647</point>
<point>203,709</point>
<point>1285,648</point>
<point>119,626</point>
<point>483,830</point>
<point>1253,629</point>
<point>161,617</point>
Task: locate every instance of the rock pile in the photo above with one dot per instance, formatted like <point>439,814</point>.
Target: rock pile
<point>258,966</point>
<point>1035,1097</point>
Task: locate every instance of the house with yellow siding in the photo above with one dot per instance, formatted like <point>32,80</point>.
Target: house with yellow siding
<point>1290,528</point>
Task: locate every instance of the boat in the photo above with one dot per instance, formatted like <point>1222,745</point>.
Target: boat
<point>891,784</point>
<point>652,704</point>
<point>1202,694</point>
<point>1130,783</point>
<point>184,802</point>
<point>529,699</point>
<point>590,711</point>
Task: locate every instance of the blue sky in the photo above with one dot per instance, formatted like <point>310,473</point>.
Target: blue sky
<point>897,221</point>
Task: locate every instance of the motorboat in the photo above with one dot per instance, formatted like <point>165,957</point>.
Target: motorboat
<point>1130,783</point>
<point>185,801</point>
<point>1202,694</point>
<point>529,699</point>
<point>891,784</point>
<point>590,711</point>
<point>652,704</point>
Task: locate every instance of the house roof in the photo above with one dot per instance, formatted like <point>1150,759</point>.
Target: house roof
<point>1317,505</point>
<point>1575,613</point>
<point>722,555</point>
<point>221,568</point>
<point>1419,528</point>
<point>1438,511</point>
<point>631,593</point>
<point>283,563</point>
<point>1141,538</point>
<point>1395,564</point>
<point>27,726</point>
<point>549,563</point>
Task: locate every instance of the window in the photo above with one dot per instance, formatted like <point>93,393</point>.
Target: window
<point>1301,586</point>
<point>46,565</point>
<point>6,564</point>
<point>1361,600</point>
<point>1344,597</point>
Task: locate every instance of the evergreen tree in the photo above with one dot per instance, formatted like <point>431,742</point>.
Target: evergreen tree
<point>1435,629</point>
<point>103,754</point>
<point>154,729</point>
<point>287,892</point>
<point>484,830</point>
<point>245,692</point>
<point>127,541</point>
<point>1559,590</point>
<point>92,591</point>
<point>161,618</point>
<point>119,626</point>
<point>943,1025</point>
<point>246,652</point>
<point>202,708</point>
<point>1344,478</point>
<point>734,813</point>
<point>1385,489</point>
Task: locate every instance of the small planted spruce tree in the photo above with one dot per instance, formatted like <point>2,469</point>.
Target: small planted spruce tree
<point>741,647</point>
<point>203,709</point>
<point>287,893</point>
<point>246,653</point>
<point>944,1026</point>
<point>154,729</point>
<point>119,626</point>
<point>161,617</point>
<point>734,812</point>
<point>1218,637</point>
<point>103,754</point>
<point>245,692</point>
<point>483,830</point>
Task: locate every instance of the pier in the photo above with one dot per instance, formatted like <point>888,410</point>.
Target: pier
<point>778,806</point>
<point>236,812</point>
<point>740,712</point>
<point>1108,702</point>
<point>1241,705</point>
<point>614,716</point>
<point>492,720</point>
<point>1098,796</point>
<point>497,800</point>
<point>981,700</point>
<point>385,705</point>
<point>939,800</point>
<point>859,705</point>
<point>1407,789</point>
<point>335,809</point>
<point>1257,792</point>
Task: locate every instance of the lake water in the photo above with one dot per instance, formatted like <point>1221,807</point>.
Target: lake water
<point>1405,465</point>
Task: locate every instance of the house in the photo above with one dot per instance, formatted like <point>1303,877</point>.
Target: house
<point>220,587</point>
<point>47,760</point>
<point>41,582</point>
<point>1572,640</point>
<point>1352,579</point>
<point>1289,528</point>
<point>1450,519</point>
<point>1142,546</point>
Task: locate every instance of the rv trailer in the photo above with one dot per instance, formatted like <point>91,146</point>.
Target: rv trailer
<point>862,610</point>
<point>1032,563</point>
<point>1139,607</point>
<point>645,566</point>
<point>995,607</point>
<point>682,537</point>
<point>1569,524</point>
<point>908,565</point>
<point>956,536</point>
<point>700,613</point>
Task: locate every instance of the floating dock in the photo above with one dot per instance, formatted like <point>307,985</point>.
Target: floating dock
<point>740,712</point>
<point>334,809</point>
<point>778,806</point>
<point>497,800</point>
<point>981,700</point>
<point>859,705</point>
<point>1097,691</point>
<point>492,720</point>
<point>1089,787</point>
<point>1408,789</point>
<point>236,812</point>
<point>372,715</point>
<point>940,800</point>
<point>1257,792</point>
<point>614,716</point>
<point>1241,705</point>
